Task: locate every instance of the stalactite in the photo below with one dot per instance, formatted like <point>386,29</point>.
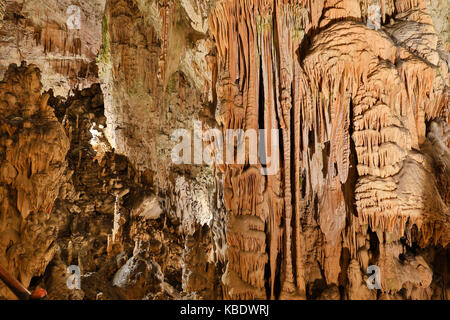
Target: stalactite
<point>383,100</point>
<point>166,11</point>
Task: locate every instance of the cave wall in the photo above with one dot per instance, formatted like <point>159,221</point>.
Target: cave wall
<point>333,87</point>
<point>33,152</point>
<point>41,32</point>
<point>362,116</point>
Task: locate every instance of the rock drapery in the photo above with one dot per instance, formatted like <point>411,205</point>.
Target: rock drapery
<point>41,32</point>
<point>363,122</point>
<point>350,86</point>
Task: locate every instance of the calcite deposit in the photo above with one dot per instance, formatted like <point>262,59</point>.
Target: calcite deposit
<point>33,162</point>
<point>44,32</point>
<point>357,92</point>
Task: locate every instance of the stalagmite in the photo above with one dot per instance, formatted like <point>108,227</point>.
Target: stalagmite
<point>33,164</point>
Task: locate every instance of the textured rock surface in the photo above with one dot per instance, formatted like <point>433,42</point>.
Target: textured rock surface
<point>349,90</point>
<point>40,32</point>
<point>33,152</point>
<point>361,105</point>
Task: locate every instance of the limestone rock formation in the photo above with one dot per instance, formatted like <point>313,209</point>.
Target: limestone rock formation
<point>61,37</point>
<point>351,86</point>
<point>33,157</point>
<point>357,92</point>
